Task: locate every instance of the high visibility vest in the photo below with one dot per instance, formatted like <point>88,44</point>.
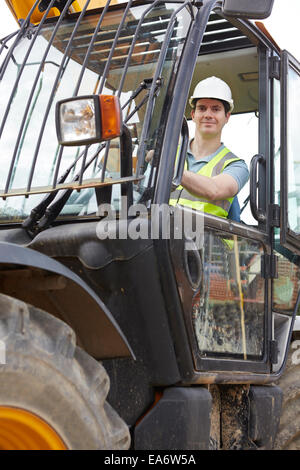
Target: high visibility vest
<point>214,167</point>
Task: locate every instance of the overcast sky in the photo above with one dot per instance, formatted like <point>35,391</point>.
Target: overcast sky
<point>283,24</point>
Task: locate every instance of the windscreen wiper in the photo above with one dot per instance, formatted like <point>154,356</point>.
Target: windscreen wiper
<point>54,209</point>
<point>38,211</point>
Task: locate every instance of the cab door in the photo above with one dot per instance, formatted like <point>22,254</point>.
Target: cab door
<point>290,154</point>
<point>286,152</point>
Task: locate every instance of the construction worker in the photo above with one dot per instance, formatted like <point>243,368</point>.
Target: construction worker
<point>213,175</point>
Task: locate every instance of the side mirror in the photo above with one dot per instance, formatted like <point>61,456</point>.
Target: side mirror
<point>85,120</point>
<point>252,9</point>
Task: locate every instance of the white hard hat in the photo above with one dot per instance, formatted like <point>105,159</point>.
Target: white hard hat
<point>212,87</point>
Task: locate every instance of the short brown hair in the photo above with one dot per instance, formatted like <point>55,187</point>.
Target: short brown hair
<point>225,104</point>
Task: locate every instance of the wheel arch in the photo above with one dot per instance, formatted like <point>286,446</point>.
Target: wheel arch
<point>49,285</point>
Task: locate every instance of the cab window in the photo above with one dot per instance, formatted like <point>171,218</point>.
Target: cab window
<point>239,69</point>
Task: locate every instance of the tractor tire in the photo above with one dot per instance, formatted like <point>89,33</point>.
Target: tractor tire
<point>52,393</point>
<point>288,436</point>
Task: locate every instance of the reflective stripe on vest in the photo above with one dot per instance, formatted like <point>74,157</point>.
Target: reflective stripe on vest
<point>214,167</point>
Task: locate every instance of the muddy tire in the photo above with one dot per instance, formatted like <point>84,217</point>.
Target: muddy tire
<point>46,375</point>
<point>288,436</point>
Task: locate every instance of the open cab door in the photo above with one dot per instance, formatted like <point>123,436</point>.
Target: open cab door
<point>286,148</point>
<point>289,154</point>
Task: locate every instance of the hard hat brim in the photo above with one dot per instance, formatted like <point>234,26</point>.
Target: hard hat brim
<point>192,98</point>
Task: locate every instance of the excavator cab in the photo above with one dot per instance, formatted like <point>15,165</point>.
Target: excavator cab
<point>206,305</point>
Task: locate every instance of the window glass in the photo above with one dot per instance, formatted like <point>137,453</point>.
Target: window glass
<point>239,68</point>
<point>240,135</point>
<point>276,141</point>
<point>228,313</point>
<point>293,144</point>
<point>286,285</point>
<point>39,74</point>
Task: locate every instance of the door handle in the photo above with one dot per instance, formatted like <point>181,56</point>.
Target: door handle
<point>257,213</point>
<point>182,156</point>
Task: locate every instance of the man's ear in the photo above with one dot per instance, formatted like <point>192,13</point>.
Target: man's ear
<point>193,113</point>
<point>227,117</point>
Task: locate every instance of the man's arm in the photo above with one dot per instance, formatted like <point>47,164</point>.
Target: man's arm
<point>213,188</point>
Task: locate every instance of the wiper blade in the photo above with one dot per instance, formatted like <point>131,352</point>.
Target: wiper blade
<point>38,211</point>
<point>54,209</point>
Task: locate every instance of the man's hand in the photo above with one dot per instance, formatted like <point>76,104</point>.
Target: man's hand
<point>149,156</point>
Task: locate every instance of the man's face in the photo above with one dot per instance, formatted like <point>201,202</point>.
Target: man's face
<point>209,117</point>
